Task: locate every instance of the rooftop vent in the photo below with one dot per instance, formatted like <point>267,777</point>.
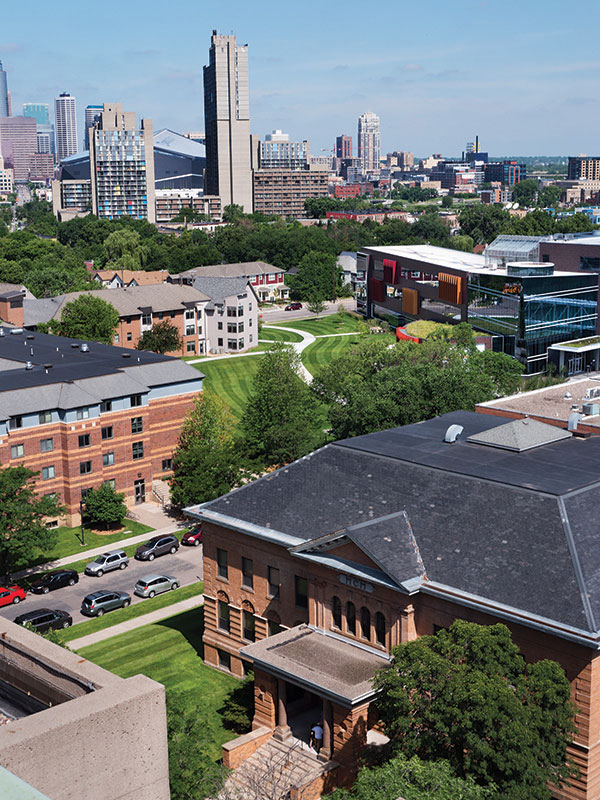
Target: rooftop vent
<point>568,396</point>
<point>453,432</point>
<point>29,365</point>
<point>126,355</point>
<point>573,420</point>
<point>1,331</point>
<point>85,348</point>
<point>75,346</point>
<point>16,330</point>
<point>30,336</point>
<point>47,366</point>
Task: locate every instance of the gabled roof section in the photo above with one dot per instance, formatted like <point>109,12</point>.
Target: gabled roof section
<point>520,435</point>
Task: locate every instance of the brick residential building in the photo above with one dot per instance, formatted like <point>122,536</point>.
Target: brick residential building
<point>83,414</point>
<point>267,281</point>
<point>315,572</point>
<point>283,191</point>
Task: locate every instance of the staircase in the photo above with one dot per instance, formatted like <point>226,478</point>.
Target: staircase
<point>272,771</point>
<point>161,492</point>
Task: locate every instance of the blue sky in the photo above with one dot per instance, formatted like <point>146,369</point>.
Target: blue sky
<point>523,74</point>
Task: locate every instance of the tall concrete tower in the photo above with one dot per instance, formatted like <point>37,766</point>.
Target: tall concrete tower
<point>227,123</point>
<point>65,108</point>
<point>368,142</point>
<point>4,105</point>
<point>92,113</point>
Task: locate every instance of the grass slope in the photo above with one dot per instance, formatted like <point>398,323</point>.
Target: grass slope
<point>231,379</point>
<point>268,334</point>
<point>323,351</point>
<point>170,652</point>
<point>324,325</point>
<point>132,612</point>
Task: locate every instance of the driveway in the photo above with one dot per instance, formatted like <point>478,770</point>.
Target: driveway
<point>186,565</point>
<point>270,315</point>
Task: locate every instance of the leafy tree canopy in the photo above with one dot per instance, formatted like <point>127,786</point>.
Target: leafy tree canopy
<point>124,250</point>
<point>23,514</point>
<point>163,337</point>
<point>483,222</point>
<point>525,192</point>
<point>104,506</point>
<point>466,695</point>
<point>232,212</point>
<point>318,278</point>
<point>87,317</point>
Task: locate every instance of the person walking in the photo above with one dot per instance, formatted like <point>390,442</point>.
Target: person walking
<point>316,734</point>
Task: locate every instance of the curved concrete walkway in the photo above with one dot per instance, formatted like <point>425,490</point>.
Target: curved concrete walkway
<point>307,338</point>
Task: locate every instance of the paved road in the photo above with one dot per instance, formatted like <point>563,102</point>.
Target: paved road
<point>276,315</point>
<point>185,565</point>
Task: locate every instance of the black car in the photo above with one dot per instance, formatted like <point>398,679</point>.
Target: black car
<point>55,580</point>
<point>158,546</point>
<point>45,618</point>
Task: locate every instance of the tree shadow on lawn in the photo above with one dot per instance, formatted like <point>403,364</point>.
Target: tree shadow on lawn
<point>191,625</point>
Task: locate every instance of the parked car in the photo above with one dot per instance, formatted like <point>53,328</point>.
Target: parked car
<point>293,306</point>
<point>96,603</point>
<point>45,618</point>
<point>10,595</point>
<point>149,585</point>
<point>55,580</point>
<point>112,559</point>
<point>158,546</point>
<point>193,536</point>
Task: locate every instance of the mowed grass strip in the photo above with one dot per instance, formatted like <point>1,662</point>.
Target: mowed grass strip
<point>324,325</point>
<point>131,612</point>
<point>171,652</point>
<point>231,378</point>
<point>268,334</point>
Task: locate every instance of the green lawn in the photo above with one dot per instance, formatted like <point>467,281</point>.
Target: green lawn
<point>132,612</point>
<point>324,325</point>
<point>269,334</point>
<point>323,351</point>
<point>231,379</point>
<point>170,652</point>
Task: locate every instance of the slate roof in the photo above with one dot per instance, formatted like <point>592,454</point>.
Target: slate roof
<point>518,529</point>
<point>219,289</point>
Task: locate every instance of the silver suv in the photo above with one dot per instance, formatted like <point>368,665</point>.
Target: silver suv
<point>149,585</point>
<point>113,559</point>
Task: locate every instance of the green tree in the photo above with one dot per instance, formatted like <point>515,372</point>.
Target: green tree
<point>87,317</point>
<point>447,201</point>
<point>161,338</point>
<point>186,214</point>
<point>23,514</point>
<point>206,463</point>
<point>549,196</point>
<point>124,250</point>
<point>104,506</point>
<point>319,277</point>
<point>525,192</point>
<point>483,223</point>
<point>232,213</point>
<point>413,779</point>
<point>315,305</point>
<point>280,422</point>
<point>466,695</point>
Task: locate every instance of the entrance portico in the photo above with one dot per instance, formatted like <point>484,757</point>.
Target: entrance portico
<point>302,665</point>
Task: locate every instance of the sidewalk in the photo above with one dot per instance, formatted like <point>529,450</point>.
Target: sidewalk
<point>138,622</point>
<point>89,554</point>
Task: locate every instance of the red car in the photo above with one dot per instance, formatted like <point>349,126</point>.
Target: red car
<point>193,537</point>
<point>11,594</point>
<point>293,306</point>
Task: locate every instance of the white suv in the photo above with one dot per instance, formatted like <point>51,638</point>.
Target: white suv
<point>114,559</point>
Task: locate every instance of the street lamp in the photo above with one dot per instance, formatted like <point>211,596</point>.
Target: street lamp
<point>81,510</point>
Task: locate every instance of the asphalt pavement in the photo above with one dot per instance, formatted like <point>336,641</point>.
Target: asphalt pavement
<point>277,314</point>
<point>186,565</point>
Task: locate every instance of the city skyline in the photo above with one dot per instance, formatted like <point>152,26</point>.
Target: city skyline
<point>415,67</point>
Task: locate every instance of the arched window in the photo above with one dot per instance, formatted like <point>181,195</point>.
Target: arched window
<point>380,628</point>
<point>274,623</point>
<point>365,623</point>
<point>351,618</point>
<point>336,612</point>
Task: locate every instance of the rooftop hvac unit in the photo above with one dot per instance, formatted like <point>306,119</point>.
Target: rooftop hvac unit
<point>591,409</point>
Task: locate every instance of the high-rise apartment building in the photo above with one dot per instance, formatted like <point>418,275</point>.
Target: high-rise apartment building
<point>45,130</point>
<point>65,108</point>
<point>92,113</point>
<point>368,142</point>
<point>277,152</point>
<point>343,146</point>
<point>584,168</point>
<point>122,165</point>
<point>4,104</point>
<point>227,122</point>
<point>18,143</point>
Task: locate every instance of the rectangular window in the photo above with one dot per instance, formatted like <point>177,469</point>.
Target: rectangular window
<point>107,432</point>
<point>219,326</point>
<point>241,344</point>
<point>146,319</point>
<point>589,262</point>
<point>189,314</point>
<point>111,482</point>
<point>167,464</point>
<point>232,344</point>
<point>85,492</point>
<point>190,330</point>
<point>250,339</point>
<point>108,459</point>
<point>83,413</point>
<point>224,660</point>
<point>84,440</point>
<point>274,581</point>
<point>240,327</point>
<point>247,573</point>
<point>129,337</point>
<point>15,422</point>
<point>240,311</point>
<point>135,400</point>
<point>116,338</point>
<point>248,626</point>
<point>17,451</point>
<point>137,450</point>
<point>274,628</point>
<point>190,347</point>
<point>45,417</point>
<point>105,405</point>
<point>222,567</point>
<point>85,467</point>
<point>224,616</point>
<point>46,445</point>
<point>160,314</point>
<point>301,591</point>
<point>47,473</point>
<point>220,342</point>
<point>137,424</point>
<point>231,327</point>
<point>231,311</point>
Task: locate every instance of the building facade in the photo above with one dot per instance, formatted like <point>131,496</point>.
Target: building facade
<point>65,111</point>
<point>295,589</point>
<point>42,167</point>
<point>83,414</point>
<point>266,280</point>
<point>39,111</point>
<point>507,172</point>
<point>92,114</point>
<point>4,103</point>
<point>343,146</point>
<point>169,202</point>
<point>122,165</point>
<point>585,168</point>
<point>368,142</point>
<point>227,121</point>
<point>6,177</point>
<point>283,191</point>
<point>18,143</point>
<point>277,152</point>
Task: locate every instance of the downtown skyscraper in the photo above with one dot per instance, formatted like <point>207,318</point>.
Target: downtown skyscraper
<point>4,104</point>
<point>227,123</point>
<point>65,108</point>
<point>368,142</point>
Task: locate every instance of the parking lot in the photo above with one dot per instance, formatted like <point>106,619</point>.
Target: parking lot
<point>185,565</point>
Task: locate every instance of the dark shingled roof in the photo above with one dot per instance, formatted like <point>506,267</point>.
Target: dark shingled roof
<point>519,529</point>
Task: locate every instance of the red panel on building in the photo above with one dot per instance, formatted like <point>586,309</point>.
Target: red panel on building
<point>376,289</point>
<point>389,270</point>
